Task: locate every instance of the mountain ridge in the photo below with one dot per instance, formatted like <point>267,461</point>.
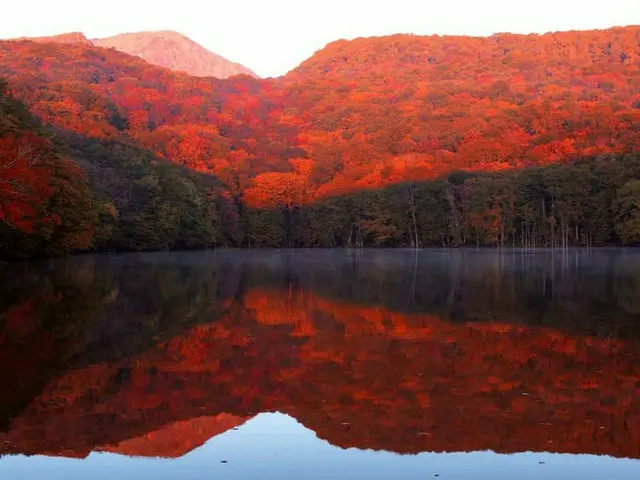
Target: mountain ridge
<point>360,116</point>
<point>71,37</point>
<point>163,48</point>
<point>173,50</point>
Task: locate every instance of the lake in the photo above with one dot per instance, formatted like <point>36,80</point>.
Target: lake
<point>322,364</point>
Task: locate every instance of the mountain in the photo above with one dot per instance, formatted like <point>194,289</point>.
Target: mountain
<point>319,157</point>
<point>73,37</point>
<point>163,48</point>
<point>174,51</point>
<point>506,101</point>
<point>176,439</point>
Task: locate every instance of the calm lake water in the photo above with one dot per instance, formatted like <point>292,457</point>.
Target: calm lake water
<point>338,364</point>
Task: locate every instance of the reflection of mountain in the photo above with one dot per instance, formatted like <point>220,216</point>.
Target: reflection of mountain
<point>176,439</point>
<point>359,374</point>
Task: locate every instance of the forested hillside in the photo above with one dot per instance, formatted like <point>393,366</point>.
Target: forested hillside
<point>44,198</point>
<point>135,201</point>
<point>397,141</point>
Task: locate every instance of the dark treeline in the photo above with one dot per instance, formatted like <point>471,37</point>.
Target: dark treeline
<point>142,204</point>
<point>589,203</point>
<point>125,198</point>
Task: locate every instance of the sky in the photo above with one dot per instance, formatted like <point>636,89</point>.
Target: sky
<point>274,445</point>
<point>272,37</point>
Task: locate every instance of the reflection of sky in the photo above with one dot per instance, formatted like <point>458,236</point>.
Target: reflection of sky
<point>275,446</point>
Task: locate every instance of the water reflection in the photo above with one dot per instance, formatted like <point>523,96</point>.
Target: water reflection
<point>277,446</point>
<point>152,355</point>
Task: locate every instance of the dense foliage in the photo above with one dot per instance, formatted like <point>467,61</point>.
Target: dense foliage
<point>145,203</point>
<point>275,157</point>
<point>587,203</point>
<point>45,203</point>
<point>136,201</point>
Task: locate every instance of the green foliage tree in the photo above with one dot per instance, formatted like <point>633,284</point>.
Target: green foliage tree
<point>627,205</point>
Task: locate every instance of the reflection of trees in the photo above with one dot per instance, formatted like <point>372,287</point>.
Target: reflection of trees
<point>362,374</point>
<point>59,314</point>
<point>626,285</point>
<point>159,296</point>
<point>45,314</point>
<point>573,290</point>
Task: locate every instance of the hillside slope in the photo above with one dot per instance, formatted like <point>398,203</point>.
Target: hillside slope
<point>486,103</point>
<point>44,198</point>
<point>174,51</point>
<point>364,115</point>
<point>370,112</point>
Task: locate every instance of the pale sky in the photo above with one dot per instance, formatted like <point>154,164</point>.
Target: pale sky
<point>273,36</point>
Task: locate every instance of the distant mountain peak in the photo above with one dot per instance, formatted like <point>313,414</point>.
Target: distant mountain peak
<point>164,48</point>
<point>173,50</point>
<point>71,37</point>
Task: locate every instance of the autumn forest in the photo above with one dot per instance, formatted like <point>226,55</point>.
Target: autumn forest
<point>398,141</point>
